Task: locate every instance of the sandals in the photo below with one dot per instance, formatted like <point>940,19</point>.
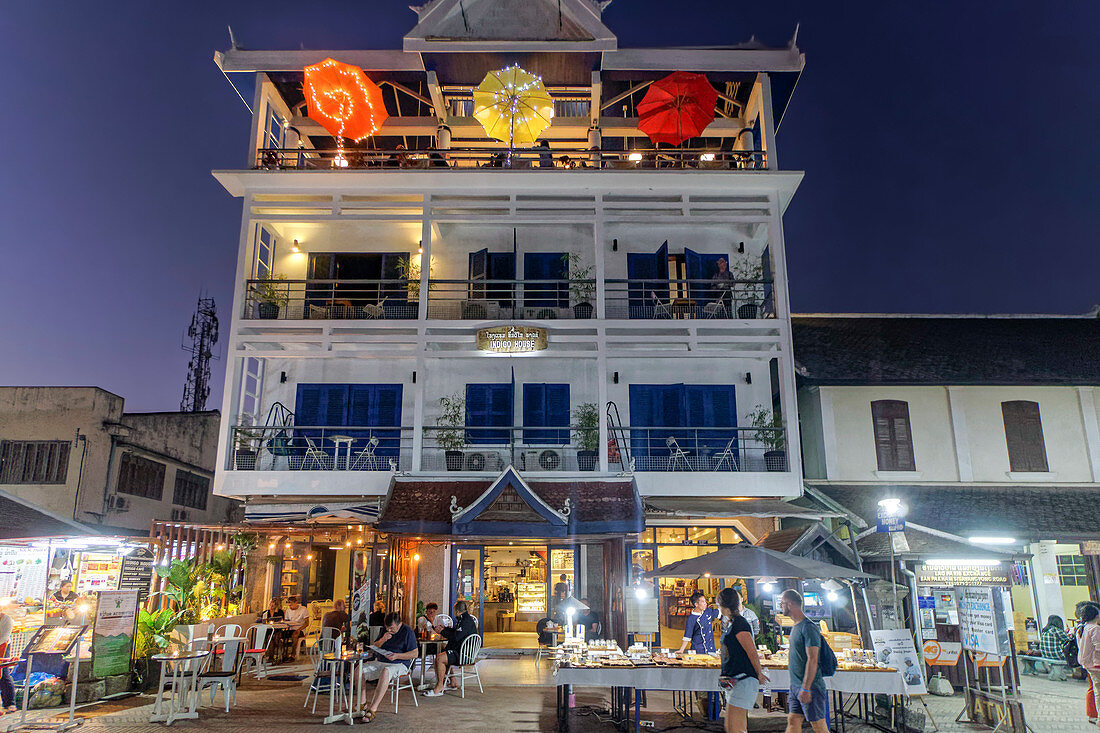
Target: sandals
<point>368,716</point>
<point>433,693</point>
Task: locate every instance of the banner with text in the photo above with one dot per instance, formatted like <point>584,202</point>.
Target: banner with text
<point>982,620</point>
<point>113,633</point>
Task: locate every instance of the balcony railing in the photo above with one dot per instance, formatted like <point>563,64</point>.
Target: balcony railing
<point>493,448</point>
<point>305,448</point>
<point>331,299</point>
<point>465,158</point>
<point>700,449</point>
<point>479,300</point>
<point>689,299</point>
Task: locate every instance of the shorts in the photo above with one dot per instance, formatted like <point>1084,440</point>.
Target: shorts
<point>743,693</point>
<point>452,657</point>
<point>373,670</point>
<point>813,710</point>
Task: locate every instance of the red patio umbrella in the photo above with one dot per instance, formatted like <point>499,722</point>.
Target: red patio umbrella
<point>343,100</point>
<point>677,108</point>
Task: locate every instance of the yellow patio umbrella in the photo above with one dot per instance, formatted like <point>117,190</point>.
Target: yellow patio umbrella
<point>513,106</point>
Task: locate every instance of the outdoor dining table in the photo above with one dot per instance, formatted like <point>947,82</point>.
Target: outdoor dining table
<point>425,644</point>
<point>279,637</point>
<point>182,697</point>
<point>352,705</point>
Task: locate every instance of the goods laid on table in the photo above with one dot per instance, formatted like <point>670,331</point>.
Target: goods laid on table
<point>575,653</point>
<point>848,660</point>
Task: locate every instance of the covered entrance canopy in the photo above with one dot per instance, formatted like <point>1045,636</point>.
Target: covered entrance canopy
<point>510,506</point>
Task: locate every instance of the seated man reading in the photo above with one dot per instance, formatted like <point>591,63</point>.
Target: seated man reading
<point>401,650</point>
<point>464,626</point>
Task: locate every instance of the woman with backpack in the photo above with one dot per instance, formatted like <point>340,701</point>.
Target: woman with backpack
<point>741,670</point>
<point>1088,643</point>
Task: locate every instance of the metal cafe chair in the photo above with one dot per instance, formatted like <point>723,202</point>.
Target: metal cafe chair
<point>365,459</point>
<point>396,686</point>
<point>467,658</point>
<point>660,310</point>
<point>676,456</point>
<point>255,649</point>
<point>315,454</point>
<point>727,457</point>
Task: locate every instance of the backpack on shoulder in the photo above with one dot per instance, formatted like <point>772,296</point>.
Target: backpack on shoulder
<point>826,660</point>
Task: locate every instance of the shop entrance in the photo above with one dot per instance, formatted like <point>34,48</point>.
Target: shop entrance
<point>509,587</point>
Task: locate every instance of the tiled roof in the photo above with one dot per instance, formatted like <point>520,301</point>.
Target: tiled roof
<point>922,544</point>
<point>1031,513</point>
<point>941,350</point>
<point>781,540</point>
<point>591,502</point>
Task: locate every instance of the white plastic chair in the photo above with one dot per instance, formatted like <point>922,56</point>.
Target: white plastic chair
<point>660,310</point>
<point>677,456</point>
<point>396,687</point>
<point>255,649</point>
<point>727,457</point>
<point>714,309</point>
<point>467,657</point>
<point>365,459</point>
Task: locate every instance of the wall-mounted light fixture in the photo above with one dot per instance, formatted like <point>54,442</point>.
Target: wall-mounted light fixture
<point>282,377</point>
<point>614,245</point>
<point>615,378</point>
<point>414,376</point>
<point>748,377</point>
<point>294,247</point>
<point>420,247</point>
<point>741,248</point>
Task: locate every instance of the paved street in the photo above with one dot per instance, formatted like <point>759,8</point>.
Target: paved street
<point>520,698</point>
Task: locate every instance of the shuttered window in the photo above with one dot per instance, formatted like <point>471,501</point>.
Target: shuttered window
<point>191,490</point>
<point>705,409</point>
<point>351,405</point>
<point>488,406</point>
<point>34,461</point>
<point>139,476</point>
<point>546,406</point>
<point>893,438</point>
<point>1024,435</point>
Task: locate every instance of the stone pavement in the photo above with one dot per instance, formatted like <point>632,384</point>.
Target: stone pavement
<point>520,698</point>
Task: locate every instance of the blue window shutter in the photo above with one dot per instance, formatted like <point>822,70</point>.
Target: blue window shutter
<point>307,404</point>
<point>488,405</point>
<point>545,266</point>
<point>647,274</point>
<point>642,400</point>
<point>534,412</point>
<point>557,411</point>
<point>546,405</point>
<point>710,407</point>
<point>766,274</point>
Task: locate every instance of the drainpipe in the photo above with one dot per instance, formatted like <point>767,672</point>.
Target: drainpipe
<point>107,481</point>
<point>913,607</point>
<point>83,440</point>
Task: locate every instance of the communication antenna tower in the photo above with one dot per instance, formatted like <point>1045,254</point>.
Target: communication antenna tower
<point>203,334</point>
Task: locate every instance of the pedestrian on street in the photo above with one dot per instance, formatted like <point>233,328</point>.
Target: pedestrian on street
<point>1090,695</point>
<point>808,699</point>
<point>1088,644</point>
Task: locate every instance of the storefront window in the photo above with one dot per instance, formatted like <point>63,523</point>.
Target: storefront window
<point>727,536</point>
<point>702,535</point>
<point>641,561</point>
<point>666,555</point>
<point>669,535</point>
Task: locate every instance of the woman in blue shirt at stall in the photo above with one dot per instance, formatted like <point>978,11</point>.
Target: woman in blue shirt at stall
<point>699,627</point>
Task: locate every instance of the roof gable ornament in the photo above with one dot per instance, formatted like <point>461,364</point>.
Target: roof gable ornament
<point>510,25</point>
<point>510,489</point>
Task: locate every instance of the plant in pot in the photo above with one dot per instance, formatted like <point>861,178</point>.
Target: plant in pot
<point>154,636</point>
<point>452,436</point>
<point>581,286</point>
<point>748,275</point>
<point>270,296</point>
<point>586,433</point>
<point>408,268</point>
<point>769,434</point>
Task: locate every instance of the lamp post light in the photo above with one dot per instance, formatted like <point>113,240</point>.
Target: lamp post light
<point>892,510</point>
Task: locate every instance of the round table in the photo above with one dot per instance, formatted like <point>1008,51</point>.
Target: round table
<point>185,673</point>
<point>336,664</point>
<point>424,645</point>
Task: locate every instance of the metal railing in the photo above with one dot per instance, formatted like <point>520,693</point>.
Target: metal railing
<point>491,449</point>
<point>703,449</point>
<point>479,300</point>
<point>308,448</point>
<point>331,299</point>
<point>558,158</point>
<point>689,299</point>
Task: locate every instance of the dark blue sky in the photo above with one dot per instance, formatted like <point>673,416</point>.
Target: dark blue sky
<point>949,148</point>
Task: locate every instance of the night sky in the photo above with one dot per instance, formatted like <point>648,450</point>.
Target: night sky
<point>950,158</point>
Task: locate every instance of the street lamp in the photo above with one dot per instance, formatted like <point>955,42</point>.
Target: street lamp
<point>891,509</point>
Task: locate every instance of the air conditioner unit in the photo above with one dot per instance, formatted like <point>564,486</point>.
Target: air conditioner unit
<point>179,515</point>
<point>477,461</point>
<point>119,503</point>
<point>543,459</point>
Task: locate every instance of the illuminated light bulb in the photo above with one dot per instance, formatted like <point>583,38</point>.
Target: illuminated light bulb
<point>271,546</point>
<point>416,557</point>
<point>309,557</point>
<point>635,157</point>
<point>348,543</point>
<point>769,587</point>
<point>340,161</point>
<point>359,542</point>
<point>294,247</point>
<point>221,547</point>
<point>420,250</point>
<point>641,593</point>
<point>832,596</point>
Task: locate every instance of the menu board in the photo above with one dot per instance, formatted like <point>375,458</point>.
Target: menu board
<point>98,571</point>
<point>54,640</point>
<point>137,573</point>
<point>113,635</point>
<point>23,573</point>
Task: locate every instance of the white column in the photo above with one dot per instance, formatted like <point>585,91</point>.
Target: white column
<point>1047,587</point>
<point>767,122</point>
<point>828,432</point>
<point>958,430</point>
<point>601,351</point>
<point>1085,396</point>
<point>787,396</point>
<point>421,361</point>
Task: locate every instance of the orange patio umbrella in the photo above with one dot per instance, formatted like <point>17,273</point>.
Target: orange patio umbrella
<point>677,107</point>
<point>343,100</point>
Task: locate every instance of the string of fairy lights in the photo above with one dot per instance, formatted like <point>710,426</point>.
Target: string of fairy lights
<point>347,95</point>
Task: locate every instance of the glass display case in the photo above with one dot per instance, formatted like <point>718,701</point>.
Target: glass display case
<point>531,598</point>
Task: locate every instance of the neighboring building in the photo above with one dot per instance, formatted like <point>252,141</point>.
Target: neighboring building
<point>984,426</point>
<point>72,461</point>
<point>358,379</point>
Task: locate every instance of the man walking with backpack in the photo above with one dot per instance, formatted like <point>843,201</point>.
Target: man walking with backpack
<point>808,698</point>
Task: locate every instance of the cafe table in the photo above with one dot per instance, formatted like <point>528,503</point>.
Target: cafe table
<point>350,705</point>
<point>425,645</point>
<point>182,696</point>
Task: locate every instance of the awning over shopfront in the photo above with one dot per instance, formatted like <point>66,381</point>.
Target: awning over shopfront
<point>727,508</point>
<point>20,519</point>
<point>923,543</point>
<point>510,506</point>
<point>1027,513</point>
<point>323,513</point>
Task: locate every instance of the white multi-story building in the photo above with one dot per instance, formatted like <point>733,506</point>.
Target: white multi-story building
<point>376,288</point>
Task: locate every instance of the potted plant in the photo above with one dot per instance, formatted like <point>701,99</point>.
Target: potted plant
<point>581,286</point>
<point>452,438</point>
<point>154,635</point>
<point>408,268</point>
<point>244,450</point>
<point>586,432</point>
<point>749,274</point>
<point>769,433</point>
<point>269,296</point>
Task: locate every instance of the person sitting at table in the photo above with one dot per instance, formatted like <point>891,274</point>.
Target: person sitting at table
<point>723,282</point>
<point>378,615</point>
<point>273,613</point>
<point>545,637</point>
<point>464,627</point>
<point>424,623</point>
<point>591,622</point>
<point>401,649</point>
<point>297,618</point>
<point>337,618</point>
<point>699,627</point>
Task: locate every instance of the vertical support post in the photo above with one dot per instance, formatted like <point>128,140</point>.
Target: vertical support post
<point>767,123</point>
<point>421,361</point>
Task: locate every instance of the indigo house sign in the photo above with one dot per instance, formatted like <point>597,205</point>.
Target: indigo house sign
<point>511,339</point>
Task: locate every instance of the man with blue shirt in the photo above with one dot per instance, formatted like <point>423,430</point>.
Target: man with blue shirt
<point>808,698</point>
<point>400,650</point>
<point>699,627</point>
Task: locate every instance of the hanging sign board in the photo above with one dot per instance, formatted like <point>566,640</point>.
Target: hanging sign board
<point>113,633</point>
<point>956,575</point>
<point>511,339</point>
<point>982,620</point>
<point>1091,547</point>
<point>889,521</point>
<point>360,608</point>
<point>137,573</point>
